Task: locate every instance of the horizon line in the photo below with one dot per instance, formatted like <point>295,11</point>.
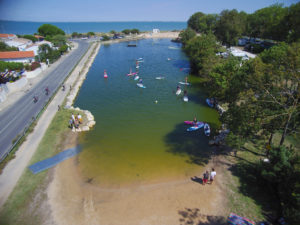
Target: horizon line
<point>167,21</point>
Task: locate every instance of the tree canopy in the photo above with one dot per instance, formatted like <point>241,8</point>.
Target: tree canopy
<point>50,30</point>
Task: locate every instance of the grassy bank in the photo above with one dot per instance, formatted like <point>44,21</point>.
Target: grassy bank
<point>25,203</point>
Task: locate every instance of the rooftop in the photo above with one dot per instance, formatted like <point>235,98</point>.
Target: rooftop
<point>16,54</point>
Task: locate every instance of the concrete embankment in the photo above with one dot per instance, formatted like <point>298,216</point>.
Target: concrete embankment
<point>82,73</point>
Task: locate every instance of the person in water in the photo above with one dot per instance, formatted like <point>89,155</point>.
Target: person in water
<point>186,79</point>
<point>141,81</point>
<point>195,120</point>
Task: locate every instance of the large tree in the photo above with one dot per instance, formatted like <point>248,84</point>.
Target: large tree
<point>267,22</point>
<point>202,23</point>
<point>230,26</point>
<point>49,30</point>
<point>202,53</point>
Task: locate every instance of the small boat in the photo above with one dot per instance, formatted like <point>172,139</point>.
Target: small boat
<point>209,102</point>
<point>206,129</point>
<point>185,99</point>
<point>131,45</point>
<point>196,127</point>
<point>184,83</point>
<point>140,85</point>
<point>168,59</point>
<point>105,74</point>
<point>159,78</point>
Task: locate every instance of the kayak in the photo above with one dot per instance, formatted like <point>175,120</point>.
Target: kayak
<point>131,74</point>
<point>136,77</point>
<point>159,78</point>
<point>184,83</point>
<point>178,92</point>
<point>140,85</point>
<point>193,128</point>
<point>209,103</point>
<point>206,129</point>
<point>185,98</point>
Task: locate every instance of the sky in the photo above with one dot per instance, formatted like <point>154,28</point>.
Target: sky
<point>122,10</point>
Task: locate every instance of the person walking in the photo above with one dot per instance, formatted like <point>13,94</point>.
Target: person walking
<point>205,177</point>
<point>212,175</point>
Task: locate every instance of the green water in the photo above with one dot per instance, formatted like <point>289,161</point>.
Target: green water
<point>136,140</point>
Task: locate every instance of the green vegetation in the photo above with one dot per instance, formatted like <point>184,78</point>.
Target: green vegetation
<point>10,66</point>
<point>262,95</point>
<point>264,23</point>
<point>16,210</point>
<point>30,37</point>
<point>49,30</point>
<point>5,48</point>
<point>105,37</point>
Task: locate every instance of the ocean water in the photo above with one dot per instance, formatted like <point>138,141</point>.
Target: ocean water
<point>140,135</point>
<point>14,27</point>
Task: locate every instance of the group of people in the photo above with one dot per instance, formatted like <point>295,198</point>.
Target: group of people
<point>209,176</point>
<point>75,120</point>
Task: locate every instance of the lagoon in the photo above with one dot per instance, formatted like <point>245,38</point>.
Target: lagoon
<point>136,140</point>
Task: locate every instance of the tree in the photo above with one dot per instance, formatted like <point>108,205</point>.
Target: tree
<point>75,34</point>
<point>49,30</point>
<point>58,40</point>
<point>230,26</point>
<point>30,37</point>
<point>135,31</point>
<point>281,176</point>
<point>126,31</point>
<point>266,22</point>
<point>187,35</point>
<point>202,53</point>
<point>105,37</point>
<point>90,34</point>
<point>293,19</point>
<point>202,23</point>
<point>4,47</point>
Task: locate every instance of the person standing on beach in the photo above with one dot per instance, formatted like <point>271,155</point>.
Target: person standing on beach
<point>205,177</point>
<point>212,175</point>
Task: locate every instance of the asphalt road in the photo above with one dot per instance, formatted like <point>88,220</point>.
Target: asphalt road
<point>18,116</point>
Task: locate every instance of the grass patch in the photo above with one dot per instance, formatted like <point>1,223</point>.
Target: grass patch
<point>246,196</point>
<point>15,210</point>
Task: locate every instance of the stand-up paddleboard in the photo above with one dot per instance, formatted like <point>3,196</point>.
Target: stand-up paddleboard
<point>105,74</point>
<point>196,127</point>
<point>209,103</point>
<point>206,129</point>
<point>136,77</point>
<point>184,83</point>
<point>178,92</point>
<point>140,85</point>
<point>159,78</point>
<point>185,99</point>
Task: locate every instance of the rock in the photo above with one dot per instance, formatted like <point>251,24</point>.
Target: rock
<point>85,128</point>
<point>77,108</point>
<point>91,123</point>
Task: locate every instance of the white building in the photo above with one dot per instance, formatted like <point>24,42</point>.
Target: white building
<point>7,37</point>
<point>35,47</point>
<point>155,31</point>
<point>15,56</point>
<point>20,43</point>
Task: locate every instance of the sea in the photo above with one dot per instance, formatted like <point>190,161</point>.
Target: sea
<point>19,27</point>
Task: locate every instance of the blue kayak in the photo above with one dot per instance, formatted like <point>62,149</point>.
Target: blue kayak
<point>206,129</point>
<point>193,128</point>
<point>209,103</point>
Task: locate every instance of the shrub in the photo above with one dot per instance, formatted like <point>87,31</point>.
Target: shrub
<point>35,65</point>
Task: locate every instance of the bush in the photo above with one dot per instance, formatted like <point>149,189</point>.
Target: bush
<point>63,49</point>
<point>135,31</point>
<point>34,65</point>
<point>30,37</point>
<point>126,31</point>
<point>105,37</point>
<point>10,66</point>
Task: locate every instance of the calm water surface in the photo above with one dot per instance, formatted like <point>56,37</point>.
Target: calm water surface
<point>136,140</point>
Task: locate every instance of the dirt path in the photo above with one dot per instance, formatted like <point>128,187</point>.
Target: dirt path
<point>76,201</point>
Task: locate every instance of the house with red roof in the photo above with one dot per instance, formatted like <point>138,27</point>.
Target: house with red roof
<point>7,37</point>
<point>16,56</point>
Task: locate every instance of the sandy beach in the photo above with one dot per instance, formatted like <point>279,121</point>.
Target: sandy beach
<point>75,200</point>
